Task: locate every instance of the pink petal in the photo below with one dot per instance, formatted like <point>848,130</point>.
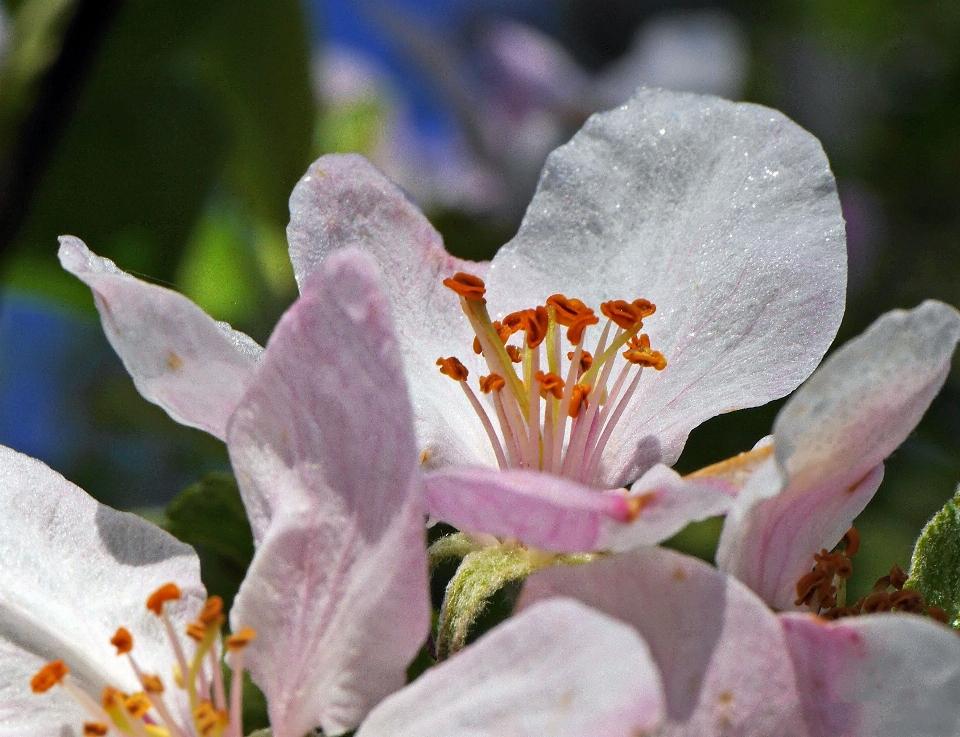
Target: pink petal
<point>721,653</point>
<point>829,441</point>
<point>324,453</point>
<point>539,509</point>
<point>876,676</point>
<point>558,669</point>
<point>343,200</point>
<point>769,543</point>
<point>179,357</point>
<point>668,503</point>
<point>72,572</point>
<point>726,216</point>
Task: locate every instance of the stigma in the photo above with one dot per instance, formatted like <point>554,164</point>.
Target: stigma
<point>197,671</point>
<point>550,403</point>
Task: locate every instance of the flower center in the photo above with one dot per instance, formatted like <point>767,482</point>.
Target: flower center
<point>824,589</point>
<point>553,409</point>
<point>146,713</point>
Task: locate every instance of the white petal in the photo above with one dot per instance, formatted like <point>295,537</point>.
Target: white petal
<point>71,572</point>
<point>344,201</point>
<point>721,652</point>
<point>180,358</point>
<point>325,456</point>
<point>724,215</point>
<point>559,669</point>
<point>884,675</point>
<point>868,395</point>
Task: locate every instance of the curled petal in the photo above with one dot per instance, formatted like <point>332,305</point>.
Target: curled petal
<point>179,357</point>
<point>558,669</point>
<point>325,456</point>
<point>726,217</point>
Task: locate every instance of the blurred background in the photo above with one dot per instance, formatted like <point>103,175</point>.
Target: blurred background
<point>168,134</point>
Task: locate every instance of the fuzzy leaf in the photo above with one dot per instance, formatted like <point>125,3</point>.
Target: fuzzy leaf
<point>935,569</point>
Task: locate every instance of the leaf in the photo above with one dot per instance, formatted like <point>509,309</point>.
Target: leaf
<point>210,513</point>
<point>935,569</point>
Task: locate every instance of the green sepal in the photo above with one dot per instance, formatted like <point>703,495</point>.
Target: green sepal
<point>935,568</point>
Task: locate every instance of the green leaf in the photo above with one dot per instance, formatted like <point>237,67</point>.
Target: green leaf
<point>210,514</point>
<point>935,569</point>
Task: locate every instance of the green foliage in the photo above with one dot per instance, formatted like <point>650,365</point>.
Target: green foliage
<point>184,99</point>
<point>935,570</point>
<point>210,516</point>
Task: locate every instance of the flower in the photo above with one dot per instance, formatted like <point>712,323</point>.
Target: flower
<point>337,592</point>
<point>828,446</point>
<point>725,215</point>
<point>730,666</point>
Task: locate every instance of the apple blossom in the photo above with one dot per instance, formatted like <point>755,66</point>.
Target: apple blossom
<point>335,603</point>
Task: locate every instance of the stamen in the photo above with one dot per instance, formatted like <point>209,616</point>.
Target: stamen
<point>466,285</point>
<point>453,368</point>
<point>122,640</point>
<point>167,592</point>
<point>49,676</point>
<point>491,383</point>
<point>95,729</point>
<point>239,640</point>
<point>638,352</point>
<point>550,384</point>
<point>580,398</point>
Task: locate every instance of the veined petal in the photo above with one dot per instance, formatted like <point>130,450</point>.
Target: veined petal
<point>876,676</point>
<point>343,200</point>
<point>558,669</point>
<point>726,217</point>
<point>325,456</point>
<point>664,503</point>
<point>830,440</point>
<point>73,571</point>
<point>721,652</point>
<point>180,358</point>
<point>546,511</point>
<point>771,534</point>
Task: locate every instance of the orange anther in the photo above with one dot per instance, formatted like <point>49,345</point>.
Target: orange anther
<point>453,368</point>
<point>535,324</point>
<point>586,360</point>
<point>196,631</point>
<point>212,612</point>
<point>242,638</point>
<point>897,577</point>
<point>466,285</point>
<point>167,592</point>
<point>638,352</point>
<point>477,348</point>
<point>208,718</point>
<point>95,729</point>
<point>851,542</point>
<point>809,586</point>
<point>877,602</point>
<point>515,355</point>
<point>138,704</point>
<point>112,698</point>
<point>644,306</point>
<point>122,640</point>
<point>491,383</point>
<point>622,313</point>
<point>937,613</point>
<point>908,600</point>
<point>550,384</point>
<point>579,397</point>
<point>49,676</point>
<point>573,315</point>
<point>151,684</point>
